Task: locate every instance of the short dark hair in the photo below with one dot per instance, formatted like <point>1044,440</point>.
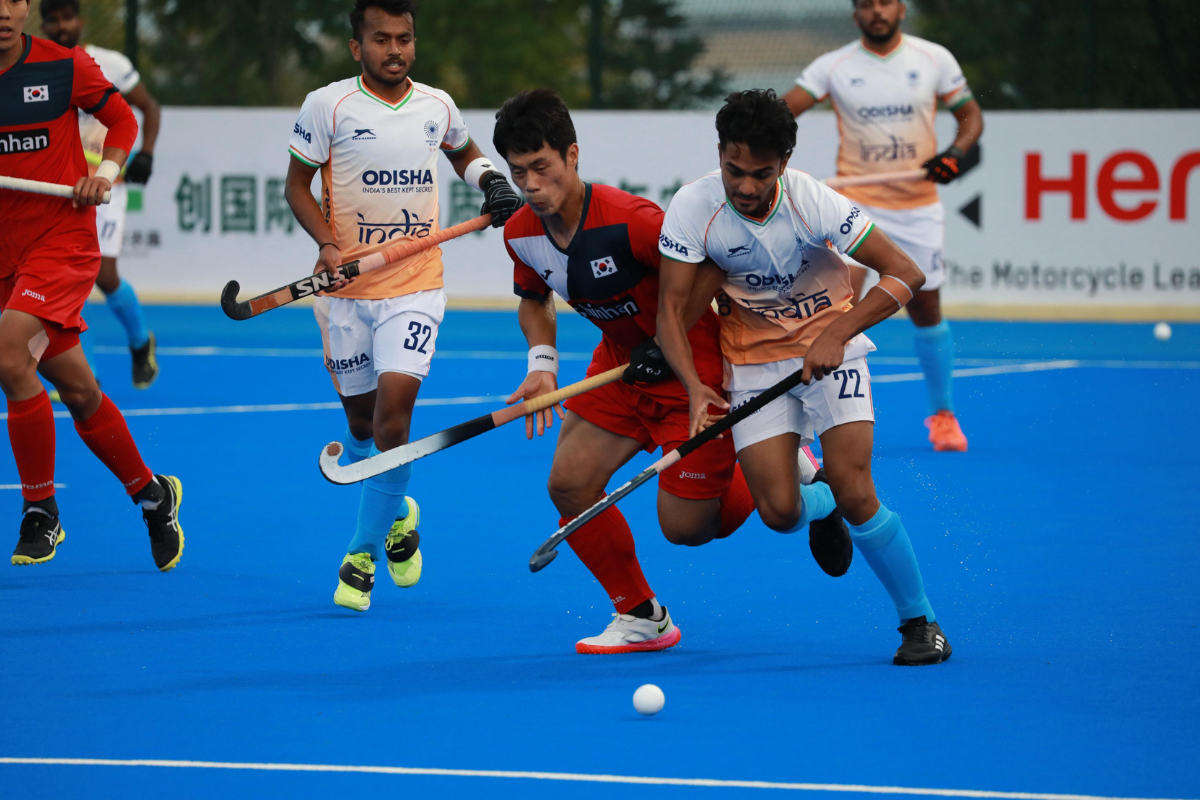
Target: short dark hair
<point>758,119</point>
<point>49,7</point>
<point>397,8</point>
<point>530,119</point>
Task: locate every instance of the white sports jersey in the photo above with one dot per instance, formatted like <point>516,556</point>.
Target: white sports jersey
<point>784,284</point>
<point>885,107</point>
<point>378,163</point>
<point>120,71</point>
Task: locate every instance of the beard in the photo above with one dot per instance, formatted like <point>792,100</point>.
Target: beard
<point>387,78</point>
<point>880,38</point>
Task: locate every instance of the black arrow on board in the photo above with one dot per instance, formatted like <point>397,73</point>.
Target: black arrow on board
<point>973,211</point>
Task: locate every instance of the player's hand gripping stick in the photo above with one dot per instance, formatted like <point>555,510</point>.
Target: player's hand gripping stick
<point>41,187</point>
<point>319,282</point>
<point>547,552</point>
<point>405,454</point>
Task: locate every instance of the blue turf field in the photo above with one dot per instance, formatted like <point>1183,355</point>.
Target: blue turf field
<point>1061,553</point>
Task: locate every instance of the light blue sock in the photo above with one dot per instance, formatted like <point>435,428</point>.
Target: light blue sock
<point>354,450</point>
<point>124,304</point>
<point>816,502</point>
<point>884,543</point>
<point>935,351</point>
<point>380,506</point>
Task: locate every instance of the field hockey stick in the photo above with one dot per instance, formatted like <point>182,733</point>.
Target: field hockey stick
<point>547,552</point>
<point>319,282</point>
<point>406,454</point>
<point>970,160</point>
<point>41,187</point>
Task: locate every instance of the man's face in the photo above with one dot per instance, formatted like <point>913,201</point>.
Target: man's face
<point>388,47</point>
<point>749,177</point>
<point>63,27</point>
<point>545,177</point>
<point>879,19</point>
<point>13,14</point>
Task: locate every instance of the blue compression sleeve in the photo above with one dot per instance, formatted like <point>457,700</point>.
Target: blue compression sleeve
<point>381,504</point>
<point>816,502</point>
<point>354,450</point>
<point>884,543</point>
<point>124,304</point>
<point>935,351</point>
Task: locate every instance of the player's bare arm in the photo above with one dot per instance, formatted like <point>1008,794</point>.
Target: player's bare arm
<point>899,280</point>
<point>798,101</point>
<point>308,213</point>
<point>140,167</point>
<point>538,320</point>
<point>91,191</point>
<point>681,287</point>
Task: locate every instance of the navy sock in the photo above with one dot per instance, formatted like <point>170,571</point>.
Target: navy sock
<point>885,544</point>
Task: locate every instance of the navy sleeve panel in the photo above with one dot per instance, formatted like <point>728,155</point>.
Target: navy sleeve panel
<point>525,294</point>
<point>109,92</point>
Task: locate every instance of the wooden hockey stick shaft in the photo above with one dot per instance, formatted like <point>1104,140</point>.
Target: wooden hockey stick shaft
<point>406,454</point>
<point>841,181</point>
<point>41,187</point>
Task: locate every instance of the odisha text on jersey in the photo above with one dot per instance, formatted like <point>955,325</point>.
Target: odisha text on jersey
<point>398,177</point>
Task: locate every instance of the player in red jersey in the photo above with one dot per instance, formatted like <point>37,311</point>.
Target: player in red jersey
<point>597,247</point>
<point>49,259</point>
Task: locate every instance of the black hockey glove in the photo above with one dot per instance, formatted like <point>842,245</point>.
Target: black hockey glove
<point>502,201</point>
<point>139,167</point>
<point>647,364</point>
<point>945,166</point>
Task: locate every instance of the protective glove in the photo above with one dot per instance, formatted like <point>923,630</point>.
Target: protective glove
<point>647,364</point>
<point>501,200</point>
<point>139,167</point>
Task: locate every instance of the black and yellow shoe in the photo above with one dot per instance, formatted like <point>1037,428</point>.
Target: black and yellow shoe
<point>402,546</point>
<point>166,534</point>
<point>356,579</point>
<point>41,535</point>
<point>145,364</point>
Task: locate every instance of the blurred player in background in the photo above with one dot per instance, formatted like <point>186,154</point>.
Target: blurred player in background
<point>885,90</point>
<point>597,247</point>
<point>787,305</point>
<point>375,139</point>
<point>49,259</point>
<point>62,23</point>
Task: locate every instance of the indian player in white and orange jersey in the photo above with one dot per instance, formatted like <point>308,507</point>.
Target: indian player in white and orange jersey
<point>786,305</point>
<point>885,89</point>
<point>375,139</point>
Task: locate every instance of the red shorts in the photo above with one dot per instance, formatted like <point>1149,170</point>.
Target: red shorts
<point>655,422</point>
<point>51,276</point>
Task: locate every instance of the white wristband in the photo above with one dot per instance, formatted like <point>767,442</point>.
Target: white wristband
<point>109,170</point>
<point>543,358</point>
<point>475,170</point>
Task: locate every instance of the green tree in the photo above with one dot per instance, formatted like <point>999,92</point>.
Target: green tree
<point>1071,53</point>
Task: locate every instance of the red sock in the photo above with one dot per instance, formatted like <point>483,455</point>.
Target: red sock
<point>605,546</point>
<point>106,434</point>
<point>31,434</point>
<point>736,504</point>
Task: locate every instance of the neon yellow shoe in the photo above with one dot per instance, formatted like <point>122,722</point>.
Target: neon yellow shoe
<point>403,557</point>
<point>356,578</point>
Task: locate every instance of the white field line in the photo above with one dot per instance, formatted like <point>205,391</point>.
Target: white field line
<point>553,776</point>
<point>14,486</point>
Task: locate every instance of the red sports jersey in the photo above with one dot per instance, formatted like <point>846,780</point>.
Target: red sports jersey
<point>39,129</point>
<point>609,274</point>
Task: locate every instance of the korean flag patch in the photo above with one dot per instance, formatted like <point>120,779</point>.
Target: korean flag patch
<point>37,94</point>
<point>604,267</point>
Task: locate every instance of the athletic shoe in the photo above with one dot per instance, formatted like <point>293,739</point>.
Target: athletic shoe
<point>945,433</point>
<point>629,634</point>
<point>145,364</point>
<point>829,539</point>
<point>924,643</point>
<point>41,535</point>
<point>808,465</point>
<point>356,578</point>
<point>403,555</point>
<point>166,534</point>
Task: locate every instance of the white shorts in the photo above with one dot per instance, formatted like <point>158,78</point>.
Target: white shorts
<point>919,232</point>
<point>110,221</point>
<point>844,396</point>
<point>363,338</point>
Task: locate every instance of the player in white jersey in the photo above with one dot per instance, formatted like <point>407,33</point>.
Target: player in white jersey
<point>786,305</point>
<point>885,90</point>
<point>62,22</point>
<point>375,139</point>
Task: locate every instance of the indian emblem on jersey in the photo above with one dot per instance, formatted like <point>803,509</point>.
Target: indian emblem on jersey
<point>913,77</point>
<point>432,129</point>
<point>604,267</point>
<point>37,94</point>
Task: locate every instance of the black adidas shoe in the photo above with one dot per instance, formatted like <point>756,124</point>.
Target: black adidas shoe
<point>40,537</point>
<point>166,535</point>
<point>145,364</point>
<point>829,539</point>
<point>924,643</point>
